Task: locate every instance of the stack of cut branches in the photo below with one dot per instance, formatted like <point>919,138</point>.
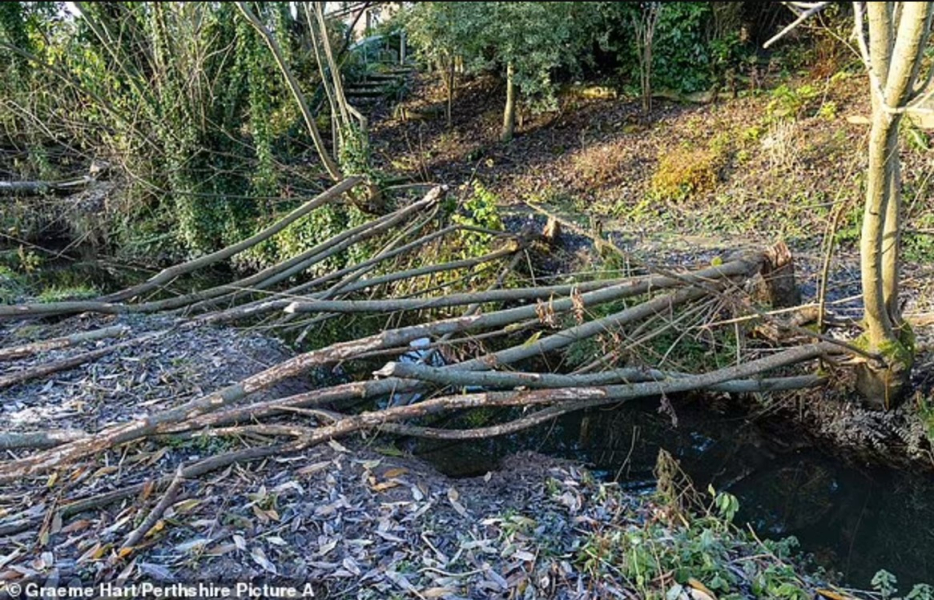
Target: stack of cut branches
<point>505,351</point>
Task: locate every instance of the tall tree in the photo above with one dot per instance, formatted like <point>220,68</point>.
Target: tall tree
<point>892,48</point>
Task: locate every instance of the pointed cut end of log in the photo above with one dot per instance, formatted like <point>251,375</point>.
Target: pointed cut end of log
<point>290,309</point>
<point>387,371</point>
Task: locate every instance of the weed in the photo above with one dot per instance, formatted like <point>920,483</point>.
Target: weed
<point>790,103</point>
<point>886,585</point>
<point>781,145</point>
<point>828,111</point>
<point>480,209</point>
<point>12,286</point>
<point>59,293</point>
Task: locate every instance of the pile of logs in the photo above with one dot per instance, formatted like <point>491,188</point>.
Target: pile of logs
<point>526,325</point>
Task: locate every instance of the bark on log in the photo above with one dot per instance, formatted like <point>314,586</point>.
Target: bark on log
<point>47,369</point>
<point>38,439</point>
<point>34,188</point>
<point>62,342</point>
<point>496,379</point>
<point>778,278</point>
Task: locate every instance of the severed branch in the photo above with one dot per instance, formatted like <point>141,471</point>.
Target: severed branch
<point>74,339</point>
<point>47,369</point>
<point>812,10</point>
<point>137,535</point>
<point>496,379</point>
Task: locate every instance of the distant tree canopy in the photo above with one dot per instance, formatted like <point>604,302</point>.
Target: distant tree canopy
<point>548,41</point>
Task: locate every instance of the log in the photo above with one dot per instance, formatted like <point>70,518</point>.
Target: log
<point>47,369</point>
<point>47,309</point>
<point>38,439</point>
<point>496,379</point>
<point>62,342</point>
<point>34,188</point>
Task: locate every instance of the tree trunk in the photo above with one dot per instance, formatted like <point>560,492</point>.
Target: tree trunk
<point>881,384</point>
<point>450,86</point>
<point>509,115</point>
<point>895,49</point>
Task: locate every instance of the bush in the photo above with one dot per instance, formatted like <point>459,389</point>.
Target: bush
<point>685,172</point>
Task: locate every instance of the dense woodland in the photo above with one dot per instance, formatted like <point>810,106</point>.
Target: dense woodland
<point>258,259</point>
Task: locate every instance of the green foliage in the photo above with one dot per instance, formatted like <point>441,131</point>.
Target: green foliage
<point>537,38</point>
<point>59,294</point>
<point>479,210</point>
<point>184,98</point>
<point>682,60</point>
<point>885,583</point>
<point>12,286</point>
<point>684,172</point>
<point>703,550</point>
<point>794,102</point>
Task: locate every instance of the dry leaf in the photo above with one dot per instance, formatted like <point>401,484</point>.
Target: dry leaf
<point>334,444</point>
<point>185,506</point>
<point>221,550</point>
<point>260,558</point>
<point>381,487</point>
<point>313,468</point>
<point>76,526</point>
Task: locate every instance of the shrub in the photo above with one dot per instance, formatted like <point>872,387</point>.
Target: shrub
<point>685,172</point>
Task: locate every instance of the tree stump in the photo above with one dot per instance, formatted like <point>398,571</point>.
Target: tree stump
<point>777,284</point>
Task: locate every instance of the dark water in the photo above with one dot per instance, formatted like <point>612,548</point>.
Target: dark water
<point>852,520</point>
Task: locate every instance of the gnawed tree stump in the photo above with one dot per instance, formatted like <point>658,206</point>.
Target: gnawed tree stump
<point>777,285</point>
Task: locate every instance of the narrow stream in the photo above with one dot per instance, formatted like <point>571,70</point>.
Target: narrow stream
<point>851,520</point>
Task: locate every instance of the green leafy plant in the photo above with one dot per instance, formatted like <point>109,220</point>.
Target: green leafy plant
<point>58,293</point>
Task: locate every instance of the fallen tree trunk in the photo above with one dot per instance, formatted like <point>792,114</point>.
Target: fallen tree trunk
<point>47,369</point>
<point>39,439</point>
<point>35,188</point>
<point>498,380</point>
<point>62,342</point>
